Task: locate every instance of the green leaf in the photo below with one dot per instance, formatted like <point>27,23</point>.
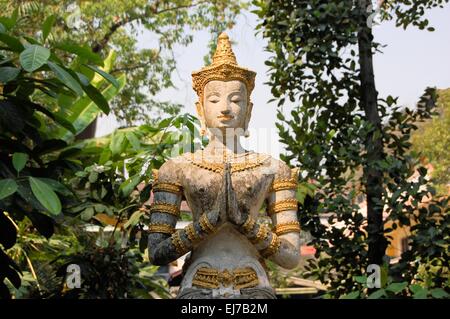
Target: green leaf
<point>352,295</point>
<point>97,98</point>
<point>377,294</point>
<point>397,287</point>
<point>129,185</point>
<point>439,293</point>
<point>45,195</point>
<point>33,57</point>
<point>19,160</point>
<point>8,73</point>
<point>7,187</point>
<point>47,26</point>
<point>13,43</point>
<point>134,141</point>
<point>107,76</point>
<point>57,186</point>
<point>2,28</point>
<point>82,51</point>
<point>66,78</point>
<point>117,144</point>
<point>134,219</point>
<point>87,214</point>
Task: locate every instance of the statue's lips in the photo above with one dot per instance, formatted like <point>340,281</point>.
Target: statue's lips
<point>225,117</point>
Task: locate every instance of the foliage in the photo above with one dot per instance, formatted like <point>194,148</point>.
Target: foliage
<point>349,141</point>
<point>115,24</point>
<point>432,140</point>
<point>31,187</point>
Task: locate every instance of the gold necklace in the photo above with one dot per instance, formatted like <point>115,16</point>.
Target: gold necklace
<point>240,166</point>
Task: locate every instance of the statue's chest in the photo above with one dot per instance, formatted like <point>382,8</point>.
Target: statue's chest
<point>201,187</point>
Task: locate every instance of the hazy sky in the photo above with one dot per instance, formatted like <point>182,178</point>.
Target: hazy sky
<point>412,60</point>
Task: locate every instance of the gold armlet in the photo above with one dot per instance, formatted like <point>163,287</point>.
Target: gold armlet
<point>165,208</point>
<point>178,243</point>
<point>192,234</point>
<point>249,224</point>
<point>206,225</point>
<point>283,205</point>
<point>288,227</point>
<point>174,188</point>
<point>263,233</point>
<point>287,183</point>
<point>161,228</point>
<point>273,246</point>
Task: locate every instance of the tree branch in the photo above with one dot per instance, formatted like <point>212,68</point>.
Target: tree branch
<point>98,46</point>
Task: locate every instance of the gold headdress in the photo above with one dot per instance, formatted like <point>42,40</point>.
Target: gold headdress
<point>223,68</point>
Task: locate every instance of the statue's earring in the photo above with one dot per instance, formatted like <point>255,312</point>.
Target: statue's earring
<point>202,119</point>
<point>249,111</point>
<point>246,133</point>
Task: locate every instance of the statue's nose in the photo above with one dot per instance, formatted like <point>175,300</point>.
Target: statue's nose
<point>225,111</point>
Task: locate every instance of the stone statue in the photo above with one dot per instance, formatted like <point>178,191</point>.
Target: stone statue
<point>225,186</point>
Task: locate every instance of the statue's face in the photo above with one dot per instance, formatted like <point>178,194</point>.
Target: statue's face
<point>225,104</point>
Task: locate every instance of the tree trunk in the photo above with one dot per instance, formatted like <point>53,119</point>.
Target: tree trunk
<point>374,147</point>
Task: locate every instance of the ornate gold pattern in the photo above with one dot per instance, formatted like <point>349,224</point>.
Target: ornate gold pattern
<point>273,246</point>
<point>288,183</point>
<point>165,208</point>
<point>288,227</point>
<point>161,228</point>
<point>263,233</point>
<point>283,205</point>
<point>238,166</point>
<point>206,225</point>
<point>223,68</point>
<point>191,233</point>
<point>178,243</point>
<point>212,278</point>
<point>249,224</point>
<point>168,187</point>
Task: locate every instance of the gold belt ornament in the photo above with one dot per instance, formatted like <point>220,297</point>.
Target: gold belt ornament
<point>238,278</point>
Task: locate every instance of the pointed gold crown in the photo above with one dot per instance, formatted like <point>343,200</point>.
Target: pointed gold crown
<point>223,68</point>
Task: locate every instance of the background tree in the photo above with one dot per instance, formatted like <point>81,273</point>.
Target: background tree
<point>343,135</point>
<point>432,141</point>
<point>115,24</point>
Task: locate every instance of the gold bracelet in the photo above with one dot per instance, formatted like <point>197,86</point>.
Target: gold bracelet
<point>206,225</point>
<point>288,227</point>
<point>249,224</point>
<point>191,233</point>
<point>161,228</point>
<point>160,207</point>
<point>178,243</point>
<point>283,205</point>
<point>263,233</point>
<point>273,246</point>
<point>174,188</point>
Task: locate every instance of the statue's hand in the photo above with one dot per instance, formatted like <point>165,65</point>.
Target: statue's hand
<point>233,213</point>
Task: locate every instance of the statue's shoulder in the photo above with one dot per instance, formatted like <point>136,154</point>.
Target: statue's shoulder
<point>170,171</point>
<point>280,169</point>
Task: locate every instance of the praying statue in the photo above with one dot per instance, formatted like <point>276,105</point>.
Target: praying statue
<point>226,187</point>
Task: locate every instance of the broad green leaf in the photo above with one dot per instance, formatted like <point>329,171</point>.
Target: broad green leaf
<point>439,293</point>
<point>13,43</point>
<point>134,141</point>
<point>352,295</point>
<point>82,51</point>
<point>33,57</point>
<point>97,97</point>
<point>117,143</point>
<point>377,294</point>
<point>129,185</point>
<point>57,186</point>
<point>84,110</point>
<point>47,26</point>
<point>19,160</point>
<point>66,78</point>
<point>397,287</point>
<point>8,73</point>
<point>87,214</point>
<point>107,76</point>
<point>2,28</point>
<point>7,187</point>
<point>45,195</point>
